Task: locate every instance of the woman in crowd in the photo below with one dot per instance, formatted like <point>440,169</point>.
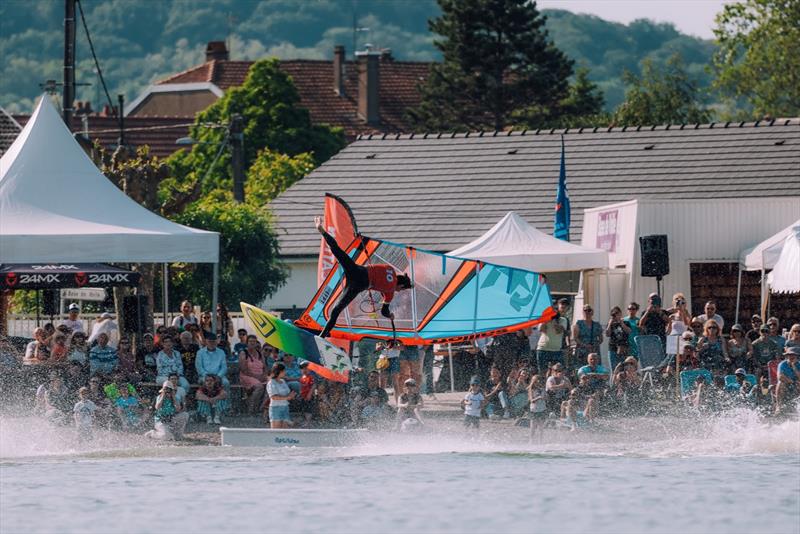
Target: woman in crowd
<point>679,317</point>
<point>38,350</point>
<point>627,381</point>
<point>197,334</point>
<point>53,400</point>
<point>205,326</point>
<point>253,374</point>
<point>557,387</point>
<point>169,361</point>
<point>618,333</point>
<point>588,334</point>
<point>632,320</point>
<point>740,350</point>
<point>712,350</point>
<point>279,397</point>
<point>518,391</point>
<point>212,401</point>
<point>697,328</point>
<point>79,349</point>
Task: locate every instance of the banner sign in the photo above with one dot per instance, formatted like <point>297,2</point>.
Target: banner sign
<point>607,230</point>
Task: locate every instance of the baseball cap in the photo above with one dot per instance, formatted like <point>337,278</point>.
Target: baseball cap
<point>738,327</point>
<point>474,381</point>
<point>764,328</point>
<point>410,382</point>
<point>74,307</point>
<point>167,384</point>
<point>209,335</point>
<point>740,371</point>
<point>105,315</point>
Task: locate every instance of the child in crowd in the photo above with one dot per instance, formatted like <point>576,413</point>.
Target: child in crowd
<point>472,403</point>
<point>83,413</point>
<point>212,401</point>
<point>409,403</point>
<point>129,410</point>
<point>538,405</point>
<point>306,392</point>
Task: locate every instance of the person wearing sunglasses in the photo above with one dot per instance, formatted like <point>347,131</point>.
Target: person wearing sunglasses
<point>632,320</point>
<point>775,332</point>
<point>712,350</point>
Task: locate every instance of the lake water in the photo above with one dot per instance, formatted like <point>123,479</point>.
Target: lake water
<point>731,474</point>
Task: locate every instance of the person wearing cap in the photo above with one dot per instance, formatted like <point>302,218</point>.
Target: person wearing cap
<point>688,357</point>
<point>211,360</point>
<point>72,322</point>
<point>764,349</point>
<point>753,333</point>
<point>654,320</point>
<point>744,388</point>
<point>170,418</point>
<point>409,403</point>
<point>587,333</point>
<point>740,350</point>
<point>788,376</point>
<point>472,403</point>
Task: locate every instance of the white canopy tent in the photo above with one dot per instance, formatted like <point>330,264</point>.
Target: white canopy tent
<point>785,275</point>
<point>762,257</point>
<point>56,206</point>
<point>514,242</point>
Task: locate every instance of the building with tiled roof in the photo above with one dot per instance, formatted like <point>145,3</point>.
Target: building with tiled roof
<point>369,95</point>
<point>9,129</point>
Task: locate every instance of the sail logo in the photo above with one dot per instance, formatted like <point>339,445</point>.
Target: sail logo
<point>520,289</point>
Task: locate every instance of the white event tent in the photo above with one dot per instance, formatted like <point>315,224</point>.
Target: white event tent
<point>56,206</point>
<point>514,242</point>
<point>785,275</point>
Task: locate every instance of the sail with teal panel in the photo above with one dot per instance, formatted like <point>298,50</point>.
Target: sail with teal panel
<point>453,299</point>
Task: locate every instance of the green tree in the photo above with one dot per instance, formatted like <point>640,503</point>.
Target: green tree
<point>582,106</point>
<point>497,60</point>
<point>272,173</point>
<point>758,55</point>
<point>273,118</point>
<point>661,96</point>
<point>249,267</point>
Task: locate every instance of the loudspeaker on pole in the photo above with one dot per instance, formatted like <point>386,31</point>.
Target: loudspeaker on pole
<point>655,255</point>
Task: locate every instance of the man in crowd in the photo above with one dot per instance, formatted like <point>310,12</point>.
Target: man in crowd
<point>361,396</point>
<point>754,333</point>
<point>711,313</point>
<point>775,332</point>
<point>102,357</point>
<point>764,349</point>
<point>72,322</point>
<point>188,350</point>
<point>788,376</point>
<point>654,321</point>
<point>598,375</point>
<point>186,317</point>
<point>551,340</point>
<point>211,360</point>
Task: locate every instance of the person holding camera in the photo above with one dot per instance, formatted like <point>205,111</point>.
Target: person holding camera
<point>679,318</point>
<point>170,418</point>
<point>618,335</point>
<point>551,340</point>
<point>654,320</point>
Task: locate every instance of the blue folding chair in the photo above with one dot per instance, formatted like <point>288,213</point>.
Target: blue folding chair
<point>688,378</point>
<point>733,385</point>
<point>651,356</point>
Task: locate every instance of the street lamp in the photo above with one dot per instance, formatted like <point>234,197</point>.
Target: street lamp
<point>234,138</point>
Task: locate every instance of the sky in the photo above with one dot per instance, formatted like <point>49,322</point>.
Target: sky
<point>694,17</point>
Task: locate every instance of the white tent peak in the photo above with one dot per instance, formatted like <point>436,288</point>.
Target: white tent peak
<point>514,242</point>
<point>765,254</point>
<point>785,276</point>
<point>56,205</point>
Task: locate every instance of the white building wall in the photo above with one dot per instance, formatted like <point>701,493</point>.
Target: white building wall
<point>301,284</point>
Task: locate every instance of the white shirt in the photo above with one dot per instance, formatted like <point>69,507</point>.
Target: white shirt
<point>181,321</point>
<point>75,326</point>
<point>472,406</point>
<point>717,317</point>
<point>540,405</point>
<point>109,327</point>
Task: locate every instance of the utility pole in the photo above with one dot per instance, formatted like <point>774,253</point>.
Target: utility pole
<point>69,62</point>
<point>237,156</point>
<point>121,117</point>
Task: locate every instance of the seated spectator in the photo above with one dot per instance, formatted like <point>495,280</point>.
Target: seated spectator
<point>53,400</point>
<point>105,324</point>
<point>212,401</point>
<point>537,399</point>
<point>775,333</point>
<point>83,414</point>
<point>205,327</point>
<point>170,418</point>
<point>375,412</point>
<point>49,331</point>
<point>169,361</point>
<point>788,376</point>
<point>473,403</point>
<point>131,413</point>
<point>409,403</point>
<point>79,349</point>
<point>119,382</point>
<point>743,387</point>
<point>185,318</point>
<point>598,375</point>
<point>279,397</point>
<point>146,357</point>
<point>161,332</point>
<point>253,373</point>
<point>240,345</point>
<point>712,315</point>
<point>557,387</point>
<point>211,360</point>
<point>740,351</point>
<point>58,348</point>
<point>764,350</point>
<point>627,382</point>
<point>518,392</point>
<point>688,358</point>
<point>580,406</point>
<point>103,406</point>
<point>293,373</point>
<point>698,397</point>
<point>496,396</point>
<point>331,405</point>
<point>361,396</point>
<point>37,351</point>
<point>72,322</point>
<point>102,357</point>
<point>794,336</point>
<point>76,376</point>
<point>307,390</point>
<point>127,361</point>
<point>180,391</point>
<point>188,350</point>
<point>754,333</point>
<point>197,334</point>
<point>712,349</point>
<point>233,356</point>
<point>697,327</point>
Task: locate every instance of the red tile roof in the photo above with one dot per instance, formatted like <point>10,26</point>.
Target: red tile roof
<point>159,133</point>
<point>314,82</point>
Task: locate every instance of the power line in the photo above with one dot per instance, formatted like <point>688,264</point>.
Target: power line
<point>94,56</point>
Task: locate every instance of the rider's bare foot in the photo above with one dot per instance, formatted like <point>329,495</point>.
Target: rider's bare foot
<point>318,224</point>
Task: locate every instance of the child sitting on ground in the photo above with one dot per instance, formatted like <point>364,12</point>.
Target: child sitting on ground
<point>83,413</point>
<point>472,403</point>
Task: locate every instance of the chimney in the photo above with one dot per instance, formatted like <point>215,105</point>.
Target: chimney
<point>338,70</point>
<point>368,86</point>
<point>216,51</point>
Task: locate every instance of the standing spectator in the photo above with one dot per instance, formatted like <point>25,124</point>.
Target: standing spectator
<point>169,361</point>
<point>79,349</point>
<point>711,313</point>
<point>588,334</point>
<point>212,401</point>
<point>409,403</point>
<point>211,360</point>
<point>794,336</point>
<point>186,317</point>
<point>537,397</point>
<point>306,392</point>
<point>775,332</point>
<point>518,391</point>
<point>72,322</point>
<point>102,357</point>
<point>712,350</point>
<point>105,324</point>
<point>472,404</point>
<point>654,320</point>
<point>754,333</point>
<point>679,318</point>
<point>550,346</point>
<point>253,373</point>
<point>170,418</point>
<point>740,350</point>
<point>496,396</point>
<point>127,361</point>
<point>38,350</point>
<point>409,358</point>
<point>197,334</point>
<point>224,327</point>
<point>146,357</point>
<point>788,376</point>
<point>598,375</point>
<point>618,333</point>
<point>279,397</point>
<point>426,371</point>
<point>557,387</point>
<point>83,414</point>
<point>188,350</point>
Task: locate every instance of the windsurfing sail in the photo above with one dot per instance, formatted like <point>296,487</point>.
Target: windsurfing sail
<point>453,299</point>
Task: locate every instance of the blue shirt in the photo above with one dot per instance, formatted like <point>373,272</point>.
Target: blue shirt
<point>586,369</point>
<point>102,359</point>
<point>169,364</point>
<point>293,370</point>
<point>211,362</point>
<point>779,340</point>
<point>785,368</point>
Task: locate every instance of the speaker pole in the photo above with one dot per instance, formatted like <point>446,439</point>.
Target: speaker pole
<point>658,286</point>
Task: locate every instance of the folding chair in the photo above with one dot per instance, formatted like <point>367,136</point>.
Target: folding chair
<point>651,356</point>
<point>732,384</point>
<point>688,379</point>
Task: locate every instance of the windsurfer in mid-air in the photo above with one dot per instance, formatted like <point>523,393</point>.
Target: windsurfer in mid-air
<point>357,278</point>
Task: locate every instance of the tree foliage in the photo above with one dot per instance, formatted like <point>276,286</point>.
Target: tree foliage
<point>273,173</point>
<point>665,95</point>
<point>581,107</point>
<point>497,61</point>
<point>758,55</point>
<point>249,265</point>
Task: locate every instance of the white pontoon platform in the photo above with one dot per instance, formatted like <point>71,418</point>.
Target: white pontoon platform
<point>290,437</point>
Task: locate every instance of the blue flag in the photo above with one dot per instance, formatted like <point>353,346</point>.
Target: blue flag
<point>561,227</point>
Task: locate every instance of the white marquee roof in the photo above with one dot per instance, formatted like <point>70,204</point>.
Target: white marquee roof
<point>785,276</point>
<point>56,206</point>
<point>765,254</point>
<point>515,243</point>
